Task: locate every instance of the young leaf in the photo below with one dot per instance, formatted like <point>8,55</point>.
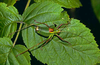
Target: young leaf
<point>8,53</point>
<point>96,8</point>
<point>82,51</point>
<point>65,3</point>
<point>9,2</point>
<point>8,18</point>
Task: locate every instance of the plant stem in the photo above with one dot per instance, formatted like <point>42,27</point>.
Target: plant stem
<point>17,34</point>
<point>21,24</point>
<point>27,4</point>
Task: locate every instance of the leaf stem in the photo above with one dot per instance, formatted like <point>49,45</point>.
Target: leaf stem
<point>27,4</point>
<point>17,34</point>
<point>21,24</point>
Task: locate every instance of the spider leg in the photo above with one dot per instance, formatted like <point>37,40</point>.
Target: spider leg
<point>23,28</point>
<point>42,23</point>
<point>46,42</point>
<point>62,39</point>
<point>62,24</point>
<point>31,48</point>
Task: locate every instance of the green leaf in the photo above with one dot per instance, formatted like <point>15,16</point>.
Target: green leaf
<point>8,53</point>
<point>45,11</point>
<point>8,20</point>
<point>82,51</point>
<point>65,3</point>
<point>96,8</point>
<point>98,64</point>
<point>83,47</point>
<point>9,2</point>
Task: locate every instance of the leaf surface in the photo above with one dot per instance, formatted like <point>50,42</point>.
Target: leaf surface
<point>8,53</point>
<point>83,49</point>
<point>9,2</point>
<point>8,20</point>
<point>96,8</point>
<point>65,3</point>
<point>44,11</point>
<point>49,16</point>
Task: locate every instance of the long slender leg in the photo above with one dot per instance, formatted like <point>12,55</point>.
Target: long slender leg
<point>62,39</point>
<point>46,42</point>
<point>42,23</point>
<point>62,24</point>
<point>31,48</point>
<point>23,28</point>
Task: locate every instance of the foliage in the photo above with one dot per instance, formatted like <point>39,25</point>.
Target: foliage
<point>65,3</point>
<point>8,53</point>
<point>96,8</point>
<point>8,20</point>
<point>83,49</point>
<point>9,2</point>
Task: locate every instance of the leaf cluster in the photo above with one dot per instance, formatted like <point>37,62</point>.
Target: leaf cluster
<point>82,51</point>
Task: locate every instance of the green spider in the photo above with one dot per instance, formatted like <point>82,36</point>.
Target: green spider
<point>49,31</point>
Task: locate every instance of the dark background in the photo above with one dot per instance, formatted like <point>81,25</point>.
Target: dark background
<point>85,14</point>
